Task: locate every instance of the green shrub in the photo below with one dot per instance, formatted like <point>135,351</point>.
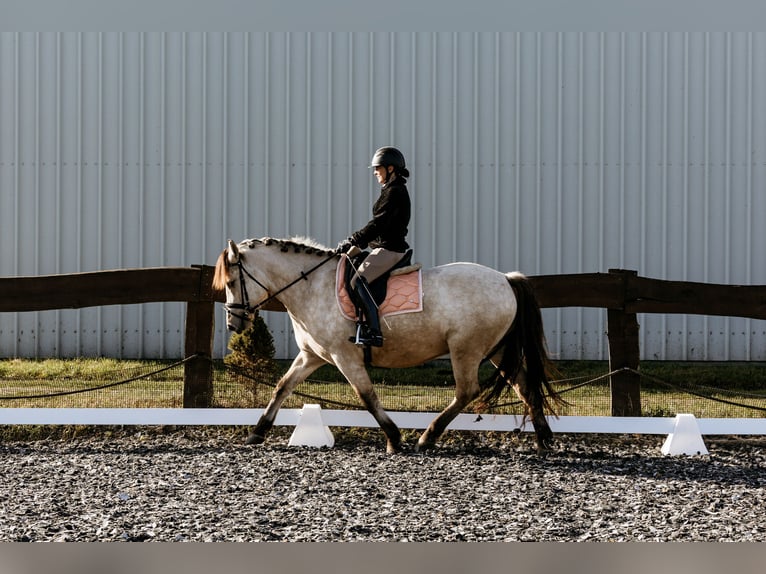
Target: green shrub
<point>252,355</point>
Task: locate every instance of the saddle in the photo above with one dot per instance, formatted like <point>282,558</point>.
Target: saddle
<point>403,278</point>
<point>379,287</point>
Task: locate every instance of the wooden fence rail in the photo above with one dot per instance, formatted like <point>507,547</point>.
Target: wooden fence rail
<point>621,292</point>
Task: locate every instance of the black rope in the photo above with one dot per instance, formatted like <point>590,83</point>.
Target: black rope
<point>106,386</point>
<point>700,395</point>
<point>563,391</point>
<point>356,406</point>
<point>655,380</point>
<point>588,381</point>
<point>242,373</point>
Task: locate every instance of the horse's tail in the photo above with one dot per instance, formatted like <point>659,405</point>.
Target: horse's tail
<point>524,346</point>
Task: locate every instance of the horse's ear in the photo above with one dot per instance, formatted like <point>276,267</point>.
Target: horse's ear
<point>232,253</point>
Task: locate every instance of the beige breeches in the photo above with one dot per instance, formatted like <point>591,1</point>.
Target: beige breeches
<point>376,264</point>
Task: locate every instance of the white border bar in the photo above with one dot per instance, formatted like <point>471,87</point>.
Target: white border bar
<point>352,418</point>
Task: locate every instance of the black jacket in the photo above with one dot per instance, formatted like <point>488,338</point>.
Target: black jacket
<point>390,218</point>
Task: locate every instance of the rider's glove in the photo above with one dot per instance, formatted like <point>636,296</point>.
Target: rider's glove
<point>344,246</point>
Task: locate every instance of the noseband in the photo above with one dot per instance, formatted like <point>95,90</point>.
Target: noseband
<point>249,311</point>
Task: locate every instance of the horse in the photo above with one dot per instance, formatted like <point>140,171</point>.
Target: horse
<point>470,312</point>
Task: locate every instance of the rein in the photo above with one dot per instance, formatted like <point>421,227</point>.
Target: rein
<point>249,310</point>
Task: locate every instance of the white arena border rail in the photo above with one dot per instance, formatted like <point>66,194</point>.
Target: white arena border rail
<point>684,431</point>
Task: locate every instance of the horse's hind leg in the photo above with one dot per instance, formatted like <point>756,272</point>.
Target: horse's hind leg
<point>466,389</point>
<point>303,365</point>
<point>358,378</point>
<point>534,403</point>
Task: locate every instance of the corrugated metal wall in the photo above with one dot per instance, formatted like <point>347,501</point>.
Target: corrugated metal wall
<point>547,153</point>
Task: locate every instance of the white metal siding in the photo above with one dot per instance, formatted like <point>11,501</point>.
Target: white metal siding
<point>543,152</point>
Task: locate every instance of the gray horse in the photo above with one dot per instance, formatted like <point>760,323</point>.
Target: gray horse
<point>470,312</point>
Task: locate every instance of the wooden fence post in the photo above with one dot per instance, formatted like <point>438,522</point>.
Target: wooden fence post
<point>200,323</point>
<point>622,332</point>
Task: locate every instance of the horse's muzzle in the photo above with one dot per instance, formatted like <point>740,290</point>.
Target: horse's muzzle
<point>236,324</point>
<point>238,317</point>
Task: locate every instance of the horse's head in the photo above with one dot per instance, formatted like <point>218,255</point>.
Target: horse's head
<point>281,263</point>
<point>232,276</point>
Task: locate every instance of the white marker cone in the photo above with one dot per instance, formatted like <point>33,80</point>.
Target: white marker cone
<point>685,438</point>
<point>311,430</point>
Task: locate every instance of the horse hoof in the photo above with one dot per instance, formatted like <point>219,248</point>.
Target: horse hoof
<point>255,439</point>
<point>423,446</point>
<point>393,448</point>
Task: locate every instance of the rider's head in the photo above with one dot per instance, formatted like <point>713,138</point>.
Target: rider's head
<point>388,162</point>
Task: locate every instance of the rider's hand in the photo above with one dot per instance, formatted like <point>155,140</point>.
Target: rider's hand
<point>344,246</point>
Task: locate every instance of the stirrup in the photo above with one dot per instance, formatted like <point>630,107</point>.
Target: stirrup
<point>364,338</point>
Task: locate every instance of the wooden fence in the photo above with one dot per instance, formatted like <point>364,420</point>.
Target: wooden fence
<point>623,293</point>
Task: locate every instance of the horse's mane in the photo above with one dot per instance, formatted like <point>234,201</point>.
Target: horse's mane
<point>297,244</point>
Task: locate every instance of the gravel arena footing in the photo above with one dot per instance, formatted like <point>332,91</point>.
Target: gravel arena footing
<point>204,484</point>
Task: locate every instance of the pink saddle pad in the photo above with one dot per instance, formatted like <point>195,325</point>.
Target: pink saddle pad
<point>403,294</point>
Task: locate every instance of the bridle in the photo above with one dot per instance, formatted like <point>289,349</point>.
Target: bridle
<point>248,311</point>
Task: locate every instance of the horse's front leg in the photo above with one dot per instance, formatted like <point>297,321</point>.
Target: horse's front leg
<point>303,365</point>
<point>355,373</point>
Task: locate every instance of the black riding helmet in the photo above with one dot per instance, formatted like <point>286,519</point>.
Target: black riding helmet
<point>388,155</point>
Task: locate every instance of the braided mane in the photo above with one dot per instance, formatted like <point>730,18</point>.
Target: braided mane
<point>297,244</point>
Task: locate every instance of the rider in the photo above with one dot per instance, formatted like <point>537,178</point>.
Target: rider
<point>385,233</point>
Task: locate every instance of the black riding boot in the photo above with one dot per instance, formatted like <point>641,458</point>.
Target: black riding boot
<point>368,334</point>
